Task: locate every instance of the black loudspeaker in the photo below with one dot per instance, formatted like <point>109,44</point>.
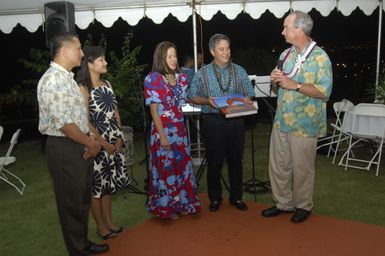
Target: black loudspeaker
<point>59,18</point>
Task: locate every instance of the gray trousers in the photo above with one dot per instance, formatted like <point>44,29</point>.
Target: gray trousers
<point>72,181</point>
<point>292,170</point>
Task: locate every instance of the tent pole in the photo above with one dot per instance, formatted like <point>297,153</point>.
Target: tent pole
<point>196,69</point>
<point>379,40</point>
<point>194,17</point>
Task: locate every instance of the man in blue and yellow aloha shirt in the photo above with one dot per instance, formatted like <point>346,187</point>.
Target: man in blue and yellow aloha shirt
<point>304,79</point>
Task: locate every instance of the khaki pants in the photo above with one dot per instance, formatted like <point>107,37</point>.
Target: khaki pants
<point>292,170</point>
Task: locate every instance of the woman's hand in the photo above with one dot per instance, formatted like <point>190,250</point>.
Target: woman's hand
<point>119,145</point>
<point>110,149</point>
<point>164,143</point>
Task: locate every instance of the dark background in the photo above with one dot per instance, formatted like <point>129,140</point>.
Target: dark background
<point>350,41</point>
<point>347,39</point>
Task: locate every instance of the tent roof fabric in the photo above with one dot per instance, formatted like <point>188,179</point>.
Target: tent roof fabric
<point>30,13</point>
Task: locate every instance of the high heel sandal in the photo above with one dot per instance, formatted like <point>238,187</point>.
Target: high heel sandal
<point>116,231</point>
<point>173,216</point>
<point>107,236</point>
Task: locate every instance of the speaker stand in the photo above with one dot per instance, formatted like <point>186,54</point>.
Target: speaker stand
<point>133,188</point>
<point>254,185</point>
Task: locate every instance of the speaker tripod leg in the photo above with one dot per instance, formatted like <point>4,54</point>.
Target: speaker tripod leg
<point>254,185</point>
<point>133,189</point>
<point>201,170</point>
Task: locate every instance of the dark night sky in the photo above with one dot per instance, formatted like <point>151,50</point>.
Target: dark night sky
<point>333,32</point>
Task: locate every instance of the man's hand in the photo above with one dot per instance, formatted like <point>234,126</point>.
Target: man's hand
<point>275,75</point>
<point>92,150</point>
<point>278,77</point>
<point>211,102</point>
<point>86,154</point>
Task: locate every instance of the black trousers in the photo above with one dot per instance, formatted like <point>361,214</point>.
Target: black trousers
<point>72,181</point>
<point>224,139</point>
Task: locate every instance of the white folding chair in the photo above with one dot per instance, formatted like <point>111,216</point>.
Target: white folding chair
<point>333,140</point>
<point>5,175</point>
<point>368,125</point>
<point>344,107</point>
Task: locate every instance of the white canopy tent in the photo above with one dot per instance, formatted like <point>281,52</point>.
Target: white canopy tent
<point>30,13</point>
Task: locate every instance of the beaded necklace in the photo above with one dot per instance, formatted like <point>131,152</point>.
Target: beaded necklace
<point>217,74</point>
<point>176,90</point>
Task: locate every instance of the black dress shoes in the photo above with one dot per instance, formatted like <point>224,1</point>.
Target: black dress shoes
<point>240,205</point>
<point>273,211</point>
<point>300,215</point>
<point>93,248</point>
<point>214,205</point>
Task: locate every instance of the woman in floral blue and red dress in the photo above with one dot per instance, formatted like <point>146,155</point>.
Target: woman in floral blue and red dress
<point>172,187</point>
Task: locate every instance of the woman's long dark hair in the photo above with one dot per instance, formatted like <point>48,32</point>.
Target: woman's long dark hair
<point>91,53</point>
<point>159,63</point>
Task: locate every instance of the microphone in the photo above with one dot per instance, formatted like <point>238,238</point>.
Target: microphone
<point>280,68</point>
<point>280,65</point>
<point>253,82</point>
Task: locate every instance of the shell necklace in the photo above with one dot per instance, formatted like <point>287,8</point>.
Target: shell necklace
<point>218,76</point>
<point>176,90</point>
<point>300,59</point>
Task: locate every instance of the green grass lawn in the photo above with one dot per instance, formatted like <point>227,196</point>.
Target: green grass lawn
<point>29,224</point>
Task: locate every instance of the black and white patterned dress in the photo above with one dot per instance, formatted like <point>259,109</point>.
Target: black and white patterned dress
<point>110,171</point>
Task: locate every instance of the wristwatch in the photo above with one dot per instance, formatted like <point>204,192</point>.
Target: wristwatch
<point>299,86</point>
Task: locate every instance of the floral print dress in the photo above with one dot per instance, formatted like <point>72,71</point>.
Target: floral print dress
<point>110,171</point>
<point>172,182</point>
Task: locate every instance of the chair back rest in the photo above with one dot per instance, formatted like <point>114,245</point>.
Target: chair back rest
<point>370,109</point>
<point>346,105</point>
<point>340,108</point>
<point>372,121</point>
<point>12,144</point>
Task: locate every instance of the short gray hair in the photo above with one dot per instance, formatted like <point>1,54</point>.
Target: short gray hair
<point>304,21</point>
<point>214,40</point>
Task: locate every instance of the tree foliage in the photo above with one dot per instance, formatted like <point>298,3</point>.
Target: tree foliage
<point>377,92</point>
<point>124,75</point>
<point>21,97</point>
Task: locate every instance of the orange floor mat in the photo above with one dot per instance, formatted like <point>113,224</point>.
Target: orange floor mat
<point>233,232</point>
